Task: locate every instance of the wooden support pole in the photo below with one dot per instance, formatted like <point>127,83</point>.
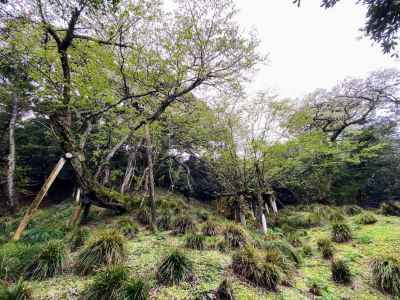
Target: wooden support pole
<point>39,197</point>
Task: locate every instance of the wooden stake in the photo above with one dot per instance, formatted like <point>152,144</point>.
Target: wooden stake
<point>38,199</point>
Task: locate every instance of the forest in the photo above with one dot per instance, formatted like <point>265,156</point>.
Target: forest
<point>135,163</point>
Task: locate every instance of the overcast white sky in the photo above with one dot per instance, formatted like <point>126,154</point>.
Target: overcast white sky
<point>310,47</point>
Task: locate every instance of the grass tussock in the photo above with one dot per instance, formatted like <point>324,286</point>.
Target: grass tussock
<point>49,262</point>
<point>18,291</point>
<point>175,268</point>
<point>144,216</point>
<point>386,274</point>
<point>224,291</point>
<point>106,249</point>
<point>250,265</point>
<point>127,227</point>
<point>366,219</point>
<point>78,238</point>
<point>341,233</point>
<point>352,210</point>
<point>184,224</point>
<point>136,289</point>
<point>195,241</point>
<point>284,247</point>
<point>336,216</point>
<point>307,251</point>
<point>390,209</point>
<point>42,235</point>
<point>326,248</point>
<point>164,222</point>
<point>235,236</point>
<point>210,229</point>
<point>340,271</point>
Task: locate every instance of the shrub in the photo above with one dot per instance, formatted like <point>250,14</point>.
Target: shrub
<point>247,263</point>
<point>164,222</point>
<point>176,267</point>
<point>341,233</point>
<point>183,224</point>
<point>352,210</point>
<point>306,251</point>
<point>386,274</point>
<point>195,241</point>
<point>276,257</point>
<point>210,229</point>
<point>107,249</point>
<point>224,291</point>
<point>41,235</point>
<point>235,236</point>
<point>284,247</point>
<point>78,238</point>
<point>390,209</point>
<point>48,262</point>
<point>136,289</point>
<point>108,284</point>
<point>340,271</point>
<point>326,248</point>
<point>19,291</point>
<point>128,228</point>
<point>366,219</point>
<point>144,216</point>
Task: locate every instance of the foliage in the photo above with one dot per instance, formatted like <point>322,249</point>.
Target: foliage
<point>249,264</point>
<point>164,222</point>
<point>19,291</point>
<point>326,248</point>
<point>390,209</point>
<point>184,224</point>
<point>336,216</point>
<point>210,229</point>
<point>340,271</point>
<point>136,289</point>
<point>307,251</point>
<point>49,262</point>
<point>175,267</point>
<point>284,247</point>
<point>235,236</point>
<point>225,291</point>
<point>144,216</point>
<point>40,235</point>
<point>352,210</point>
<point>341,233</point>
<point>107,248</point>
<point>386,274</point>
<point>127,227</point>
<point>366,218</point>
<point>78,237</point>
<point>108,284</point>
<point>195,241</point>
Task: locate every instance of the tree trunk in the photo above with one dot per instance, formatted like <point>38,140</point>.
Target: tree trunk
<point>38,199</point>
<point>129,173</point>
<point>260,213</point>
<point>12,201</point>
<point>151,177</point>
<point>264,223</point>
<point>273,204</point>
<point>242,216</point>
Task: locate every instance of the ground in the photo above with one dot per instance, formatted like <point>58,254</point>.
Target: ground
<point>211,266</point>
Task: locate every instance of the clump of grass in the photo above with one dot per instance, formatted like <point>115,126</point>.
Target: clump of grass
<point>386,274</point>
<point>341,233</point>
<point>366,219</point>
<point>203,216</point>
<point>340,271</point>
<point>164,222</point>
<point>135,289</point>
<point>106,249</point>
<point>78,238</point>
<point>326,248</point>
<point>48,262</point>
<point>284,247</point>
<point>128,228</point>
<point>235,236</point>
<point>223,246</point>
<point>248,264</point>
<point>307,251</point>
<point>294,240</point>
<point>352,210</point>
<point>175,268</point>
<point>14,257</point>
<point>210,229</point>
<point>390,209</point>
<point>304,221</point>
<point>19,291</point>
<point>108,284</point>
<point>183,224</point>
<point>144,216</point>
<point>336,216</point>
<point>277,258</point>
<point>225,291</point>
<point>195,241</point>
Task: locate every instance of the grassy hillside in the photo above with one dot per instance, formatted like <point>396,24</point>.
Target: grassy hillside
<point>301,226</point>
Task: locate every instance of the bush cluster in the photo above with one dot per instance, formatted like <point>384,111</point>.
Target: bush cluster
<point>341,233</point>
<point>386,274</point>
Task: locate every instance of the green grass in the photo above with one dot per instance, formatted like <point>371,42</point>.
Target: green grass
<point>145,252</point>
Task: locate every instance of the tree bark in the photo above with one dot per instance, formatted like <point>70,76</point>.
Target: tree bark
<point>129,172</point>
<point>242,216</point>
<point>151,177</point>
<point>12,201</point>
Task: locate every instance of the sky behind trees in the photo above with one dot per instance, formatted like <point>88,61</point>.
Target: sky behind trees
<point>310,47</point>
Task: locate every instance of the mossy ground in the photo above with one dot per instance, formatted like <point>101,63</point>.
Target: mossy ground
<point>146,250</point>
